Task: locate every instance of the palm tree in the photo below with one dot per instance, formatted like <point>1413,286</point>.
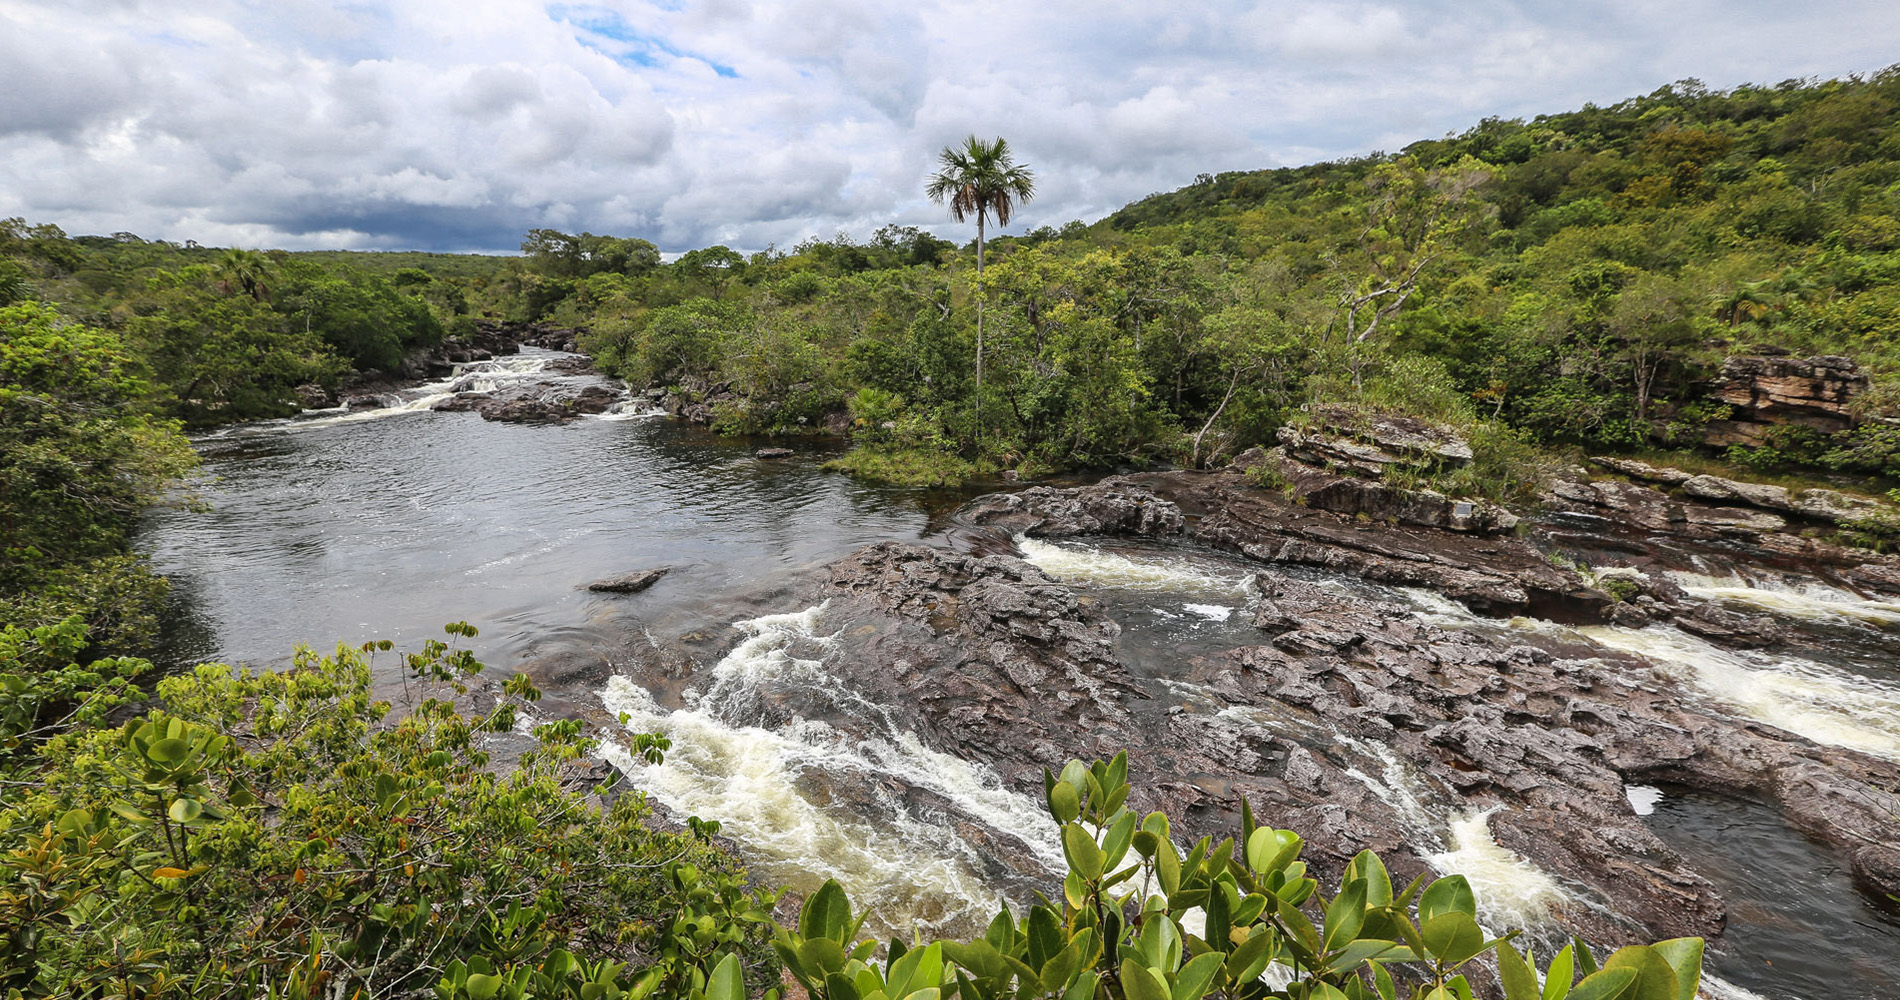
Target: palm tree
<point>980,179</point>
<point>245,269</point>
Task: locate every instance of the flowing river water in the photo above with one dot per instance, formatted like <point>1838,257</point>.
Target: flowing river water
<point>348,526</point>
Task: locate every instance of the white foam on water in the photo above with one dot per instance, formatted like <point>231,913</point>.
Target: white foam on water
<point>1716,988</point>
<point>1643,798</point>
<point>1093,567</point>
<point>630,409</point>
<point>1511,892</point>
<point>474,376</point>
<point>1808,600</point>
<point>771,789</point>
<point>1211,612</point>
<point>1822,703</point>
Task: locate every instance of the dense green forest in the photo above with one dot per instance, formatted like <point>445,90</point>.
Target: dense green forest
<point>1569,281</point>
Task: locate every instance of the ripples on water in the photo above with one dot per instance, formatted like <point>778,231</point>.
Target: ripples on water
<point>389,528</point>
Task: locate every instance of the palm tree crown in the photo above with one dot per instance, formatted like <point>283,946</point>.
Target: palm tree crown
<point>981,179</point>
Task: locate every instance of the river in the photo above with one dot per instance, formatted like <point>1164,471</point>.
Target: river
<point>387,524</point>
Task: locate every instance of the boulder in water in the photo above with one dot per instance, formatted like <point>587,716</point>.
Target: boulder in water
<point>773,453</point>
<point>630,583</point>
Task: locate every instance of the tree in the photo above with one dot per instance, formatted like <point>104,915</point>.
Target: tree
<point>980,179</point>
<point>246,270</point>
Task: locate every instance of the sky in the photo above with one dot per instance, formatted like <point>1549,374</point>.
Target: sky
<point>458,125</point>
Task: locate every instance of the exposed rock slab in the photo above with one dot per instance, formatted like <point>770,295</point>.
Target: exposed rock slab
<point>629,583</point>
<point>992,660</point>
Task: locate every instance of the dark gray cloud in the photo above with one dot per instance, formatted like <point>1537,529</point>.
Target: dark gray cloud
<point>459,124</point>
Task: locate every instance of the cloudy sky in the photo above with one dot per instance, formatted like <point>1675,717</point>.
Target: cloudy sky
<point>458,124</point>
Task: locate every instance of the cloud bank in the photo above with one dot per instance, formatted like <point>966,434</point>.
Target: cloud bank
<point>439,125</point>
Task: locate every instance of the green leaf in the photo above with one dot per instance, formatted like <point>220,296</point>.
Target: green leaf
<point>1085,859</point>
<point>728,981</point>
<point>1045,935</point>
<point>1561,973</point>
<point>1452,937</point>
<point>1366,865</point>
<point>1448,894</point>
<point>827,914</point>
<point>1197,976</point>
<point>1140,984</point>
<point>1345,916</point>
<point>1083,988</point>
<point>168,751</point>
<point>185,810</point>
<point>1604,984</point>
<point>1655,978</point>
<point>1586,962</point>
<point>1519,979</point>
<point>1251,957</point>
<point>918,969</point>
<point>1685,956</point>
<point>482,987</point>
<point>1362,951</point>
<point>1064,804</point>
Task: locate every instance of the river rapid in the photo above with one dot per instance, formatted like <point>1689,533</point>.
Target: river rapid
<point>348,526</point>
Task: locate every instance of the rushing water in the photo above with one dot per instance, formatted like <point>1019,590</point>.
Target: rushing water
<point>346,526</point>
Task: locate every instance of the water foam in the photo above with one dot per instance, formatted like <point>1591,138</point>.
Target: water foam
<point>1511,892</point>
<point>473,376</point>
<point>1811,699</point>
<point>1808,600</point>
<point>1093,567</point>
<point>772,787</point>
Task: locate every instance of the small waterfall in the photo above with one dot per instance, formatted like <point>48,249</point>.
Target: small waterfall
<point>1092,567</point>
<point>1511,892</point>
<point>473,376</point>
<point>1822,703</point>
<point>1807,600</point>
<point>773,788</point>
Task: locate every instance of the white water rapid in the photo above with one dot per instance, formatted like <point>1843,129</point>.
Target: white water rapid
<point>1823,703</point>
<point>772,788</point>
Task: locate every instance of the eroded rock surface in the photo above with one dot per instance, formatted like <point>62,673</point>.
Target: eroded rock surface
<point>992,660</point>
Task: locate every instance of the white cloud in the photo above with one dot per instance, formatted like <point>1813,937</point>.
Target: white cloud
<point>459,124</point>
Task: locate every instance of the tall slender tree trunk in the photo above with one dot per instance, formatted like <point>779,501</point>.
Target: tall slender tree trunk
<point>980,296</point>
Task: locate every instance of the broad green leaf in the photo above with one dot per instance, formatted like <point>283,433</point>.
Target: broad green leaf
<point>1452,937</point>
<point>482,987</point>
<point>1604,984</point>
<point>1197,976</point>
<point>827,914</point>
<point>1519,979</point>
<point>1251,957</point>
<point>170,751</point>
<point>1083,988</point>
<point>1685,956</point>
<point>918,969</point>
<point>1561,973</point>
<point>185,810</point>
<point>728,981</point>
<point>1085,859</point>
<point>1064,804</point>
<point>1655,979</point>
<point>1366,865</point>
<point>1448,894</point>
<point>1140,984</point>
<point>1345,916</point>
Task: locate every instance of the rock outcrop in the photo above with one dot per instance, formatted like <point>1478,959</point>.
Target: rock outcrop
<point>1368,443</point>
<point>629,583</point>
<point>1350,720</point>
<point>1769,391</point>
